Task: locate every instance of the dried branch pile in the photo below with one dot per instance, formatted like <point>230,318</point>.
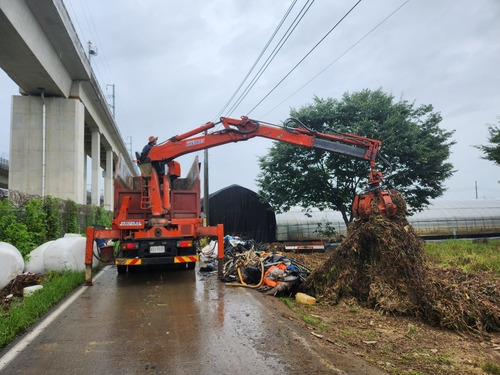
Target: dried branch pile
<point>382,265</point>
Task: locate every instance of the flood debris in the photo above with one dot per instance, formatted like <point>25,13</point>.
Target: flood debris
<point>381,263</point>
<point>258,266</point>
<point>16,287</point>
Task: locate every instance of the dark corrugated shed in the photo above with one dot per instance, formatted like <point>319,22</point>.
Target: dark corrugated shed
<point>242,214</point>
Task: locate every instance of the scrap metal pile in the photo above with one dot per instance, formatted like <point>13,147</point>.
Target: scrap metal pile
<point>253,265</point>
<point>381,264</point>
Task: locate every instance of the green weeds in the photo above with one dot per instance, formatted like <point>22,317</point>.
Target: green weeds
<point>491,368</point>
<point>26,311</point>
<point>309,319</point>
<point>412,331</point>
<point>471,256</point>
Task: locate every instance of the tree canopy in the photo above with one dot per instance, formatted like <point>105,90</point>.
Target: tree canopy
<point>492,152</point>
<point>412,142</point>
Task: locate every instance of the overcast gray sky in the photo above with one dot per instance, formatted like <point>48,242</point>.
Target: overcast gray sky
<point>175,64</point>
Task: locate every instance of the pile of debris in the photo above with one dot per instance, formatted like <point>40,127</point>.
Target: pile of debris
<point>253,265</point>
<point>381,263</point>
<point>16,287</point>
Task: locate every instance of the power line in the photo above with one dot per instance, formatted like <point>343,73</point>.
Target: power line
<point>96,36</point>
<point>273,54</point>
<point>258,59</point>
<point>100,66</point>
<point>90,34</point>
<point>340,56</point>
<point>301,60</point>
<point>75,17</point>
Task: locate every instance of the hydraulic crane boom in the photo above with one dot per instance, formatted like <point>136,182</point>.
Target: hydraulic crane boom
<point>235,130</point>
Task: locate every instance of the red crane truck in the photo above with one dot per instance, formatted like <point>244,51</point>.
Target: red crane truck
<point>158,221</point>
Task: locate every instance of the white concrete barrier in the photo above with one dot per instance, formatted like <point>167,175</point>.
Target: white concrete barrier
<point>67,253</point>
<point>35,263</point>
<point>11,264</point>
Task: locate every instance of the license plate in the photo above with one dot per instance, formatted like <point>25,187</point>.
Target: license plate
<point>156,249</point>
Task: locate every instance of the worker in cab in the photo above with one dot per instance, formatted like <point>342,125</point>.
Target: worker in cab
<point>158,165</point>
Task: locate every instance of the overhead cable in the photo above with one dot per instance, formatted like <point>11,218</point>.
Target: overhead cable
<point>273,54</point>
<point>91,31</point>
<point>340,56</point>
<point>301,60</point>
<point>258,59</point>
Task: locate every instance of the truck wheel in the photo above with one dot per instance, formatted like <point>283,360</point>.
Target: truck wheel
<point>121,269</point>
<point>191,265</point>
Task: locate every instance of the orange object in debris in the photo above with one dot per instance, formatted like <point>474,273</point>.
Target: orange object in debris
<point>269,282</point>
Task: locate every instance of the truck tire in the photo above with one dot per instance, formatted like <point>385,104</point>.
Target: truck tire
<point>121,269</point>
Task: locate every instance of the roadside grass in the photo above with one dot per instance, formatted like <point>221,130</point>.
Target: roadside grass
<point>491,368</point>
<point>26,311</point>
<point>307,318</point>
<point>470,256</point>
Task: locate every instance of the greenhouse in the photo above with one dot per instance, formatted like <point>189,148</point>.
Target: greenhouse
<point>441,218</point>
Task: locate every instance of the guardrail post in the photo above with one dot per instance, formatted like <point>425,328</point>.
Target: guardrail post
<point>89,253</point>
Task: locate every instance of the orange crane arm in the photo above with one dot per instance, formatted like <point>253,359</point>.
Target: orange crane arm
<point>236,130</point>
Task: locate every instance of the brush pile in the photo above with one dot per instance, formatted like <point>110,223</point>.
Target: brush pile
<point>382,264</point>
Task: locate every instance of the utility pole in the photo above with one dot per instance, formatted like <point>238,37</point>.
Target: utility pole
<point>205,189</point>
<point>92,51</point>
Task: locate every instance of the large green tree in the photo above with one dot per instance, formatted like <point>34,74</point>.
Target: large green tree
<point>413,143</point>
<point>492,151</point>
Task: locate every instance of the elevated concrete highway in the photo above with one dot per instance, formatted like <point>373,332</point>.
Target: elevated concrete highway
<point>61,114</point>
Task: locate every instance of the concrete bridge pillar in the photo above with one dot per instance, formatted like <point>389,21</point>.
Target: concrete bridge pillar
<point>47,153</point>
<point>96,161</point>
<point>108,181</point>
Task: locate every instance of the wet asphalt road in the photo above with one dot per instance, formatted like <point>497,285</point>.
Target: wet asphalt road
<point>168,322</point>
